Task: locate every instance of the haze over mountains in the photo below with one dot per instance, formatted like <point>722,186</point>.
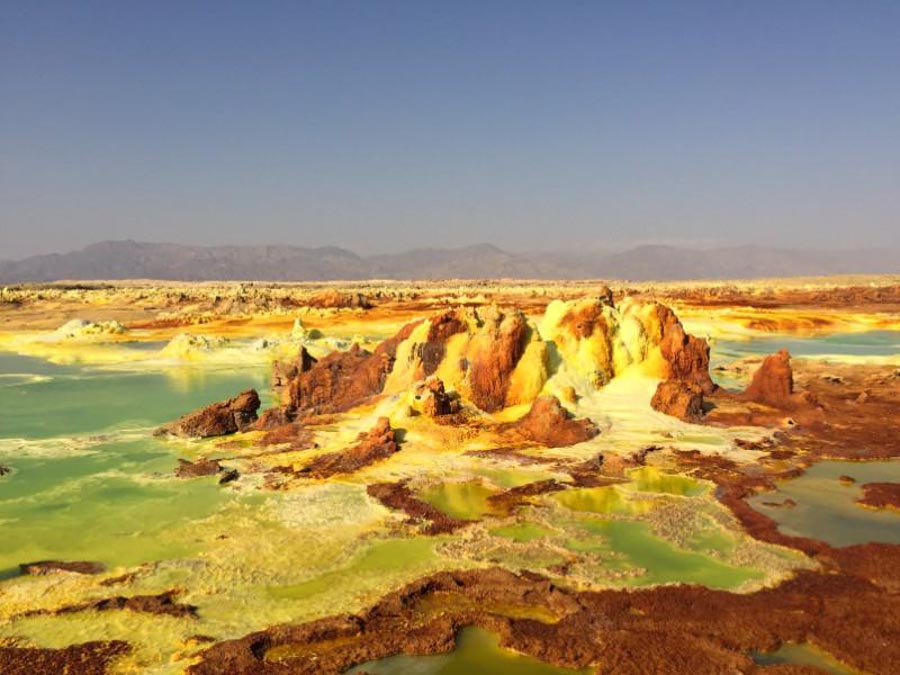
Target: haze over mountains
<point>142,260</point>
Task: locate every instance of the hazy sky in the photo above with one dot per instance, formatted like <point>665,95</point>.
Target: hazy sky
<point>381,125</point>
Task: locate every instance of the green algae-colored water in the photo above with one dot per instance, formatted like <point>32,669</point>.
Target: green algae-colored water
<point>377,562</point>
<point>639,548</point>
<point>466,500</point>
<point>651,479</point>
<point>477,653</point>
<point>510,478</point>
<point>826,508</point>
<point>116,505</point>
<point>609,499</point>
<point>88,480</point>
<point>522,532</point>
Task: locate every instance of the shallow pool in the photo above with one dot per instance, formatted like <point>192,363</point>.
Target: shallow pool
<point>477,651</point>
<point>826,508</point>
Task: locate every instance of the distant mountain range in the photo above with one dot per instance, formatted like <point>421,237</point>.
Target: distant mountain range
<point>141,260</point>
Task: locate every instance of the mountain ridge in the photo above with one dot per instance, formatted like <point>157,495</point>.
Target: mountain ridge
<point>129,259</point>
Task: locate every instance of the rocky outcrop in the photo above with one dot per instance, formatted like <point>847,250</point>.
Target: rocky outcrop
<point>283,372</point>
<point>493,354</point>
<point>599,341</point>
<point>42,567</point>
<point>274,418</point>
<point>185,346</point>
<point>582,332</point>
<point>495,358</point>
<point>773,384</point>
<point>202,467</point>
<point>165,603</point>
<point>205,467</point>
<point>430,399</point>
<point>826,421</point>
<point>548,424</point>
<point>343,380</point>
<point>687,377</point>
<point>334,299</point>
<point>687,356</point>
<point>440,329</point>
<point>338,382</point>
<point>377,444</point>
<point>680,399</point>
<point>80,328</point>
<point>477,353</point>
<point>217,419</point>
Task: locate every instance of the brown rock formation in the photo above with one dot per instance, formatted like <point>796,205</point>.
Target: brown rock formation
<point>285,371</point>
<point>162,603</point>
<point>773,384</point>
<point>399,497</point>
<point>88,658</point>
<point>880,496</point>
<point>680,399</point>
<point>343,380</point>
<point>43,567</point>
<point>274,418</point>
<point>431,398</point>
<point>494,352</point>
<point>379,443</point>
<point>293,434</point>
<point>614,465</point>
<point>547,423</point>
<point>202,467</point>
<point>688,356</point>
<point>216,419</point>
<point>338,382</point>
<point>442,328</point>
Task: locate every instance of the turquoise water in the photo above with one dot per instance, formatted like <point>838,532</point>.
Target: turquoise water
<point>872,343</point>
<point>826,509</point>
<point>42,400</point>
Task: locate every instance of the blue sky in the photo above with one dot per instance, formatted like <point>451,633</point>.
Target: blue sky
<point>385,125</point>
